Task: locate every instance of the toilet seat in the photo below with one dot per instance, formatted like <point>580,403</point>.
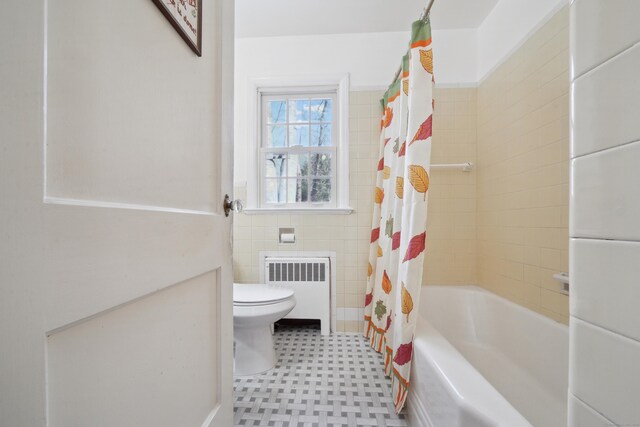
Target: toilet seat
<point>259,294</point>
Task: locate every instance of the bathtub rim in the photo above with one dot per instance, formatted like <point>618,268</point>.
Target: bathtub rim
<point>550,372</point>
<point>455,372</point>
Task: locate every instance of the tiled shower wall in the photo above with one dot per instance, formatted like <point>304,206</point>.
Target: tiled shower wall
<point>604,383</point>
<point>451,252</point>
<point>451,221</point>
<point>523,172</point>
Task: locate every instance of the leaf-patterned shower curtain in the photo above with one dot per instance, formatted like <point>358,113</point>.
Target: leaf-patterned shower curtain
<point>398,233</point>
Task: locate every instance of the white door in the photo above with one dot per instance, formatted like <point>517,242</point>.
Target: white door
<point>115,253</point>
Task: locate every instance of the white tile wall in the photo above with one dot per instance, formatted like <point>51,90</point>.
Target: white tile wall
<point>608,274</point>
<point>605,110</point>
<point>604,381</point>
<point>605,200</point>
<point>604,372</point>
<point>585,416</point>
<point>601,29</point>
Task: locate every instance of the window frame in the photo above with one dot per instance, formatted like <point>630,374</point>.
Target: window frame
<point>292,86</point>
<point>288,95</point>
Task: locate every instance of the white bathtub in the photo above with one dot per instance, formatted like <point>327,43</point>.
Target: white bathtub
<point>480,360</point>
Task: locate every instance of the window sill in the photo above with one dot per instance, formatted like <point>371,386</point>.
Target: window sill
<point>294,211</point>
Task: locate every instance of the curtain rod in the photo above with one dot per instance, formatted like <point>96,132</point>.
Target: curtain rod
<point>425,14</point>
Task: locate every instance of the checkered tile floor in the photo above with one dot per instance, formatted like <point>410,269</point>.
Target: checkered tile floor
<point>318,381</point>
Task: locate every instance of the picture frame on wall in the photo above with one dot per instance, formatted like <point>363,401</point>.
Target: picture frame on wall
<point>186,17</point>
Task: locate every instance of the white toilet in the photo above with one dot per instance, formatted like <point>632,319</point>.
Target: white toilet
<point>255,309</point>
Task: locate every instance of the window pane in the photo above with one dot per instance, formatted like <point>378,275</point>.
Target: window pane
<point>276,136</point>
<point>276,111</point>
<point>321,135</point>
<point>298,165</point>
<point>299,135</point>
<point>298,190</point>
<point>320,164</point>
<point>321,110</point>
<point>298,110</point>
<point>275,190</point>
<point>275,164</point>
<point>320,190</point>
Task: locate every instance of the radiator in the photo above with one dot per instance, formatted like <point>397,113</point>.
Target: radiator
<point>310,280</point>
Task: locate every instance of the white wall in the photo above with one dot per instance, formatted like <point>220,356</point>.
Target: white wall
<point>507,26</point>
<point>371,59</point>
<point>604,382</point>
<point>463,57</point>
<point>455,57</point>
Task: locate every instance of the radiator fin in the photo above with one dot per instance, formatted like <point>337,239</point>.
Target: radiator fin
<point>297,271</point>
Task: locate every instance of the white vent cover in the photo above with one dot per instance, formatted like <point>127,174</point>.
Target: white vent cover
<point>310,280</point>
<point>300,270</point>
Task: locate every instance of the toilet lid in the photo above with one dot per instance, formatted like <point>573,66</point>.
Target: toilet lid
<point>259,294</point>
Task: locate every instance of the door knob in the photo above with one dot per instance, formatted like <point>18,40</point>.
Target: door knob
<point>231,205</point>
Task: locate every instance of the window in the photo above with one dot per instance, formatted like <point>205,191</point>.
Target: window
<point>298,150</point>
<point>299,156</point>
